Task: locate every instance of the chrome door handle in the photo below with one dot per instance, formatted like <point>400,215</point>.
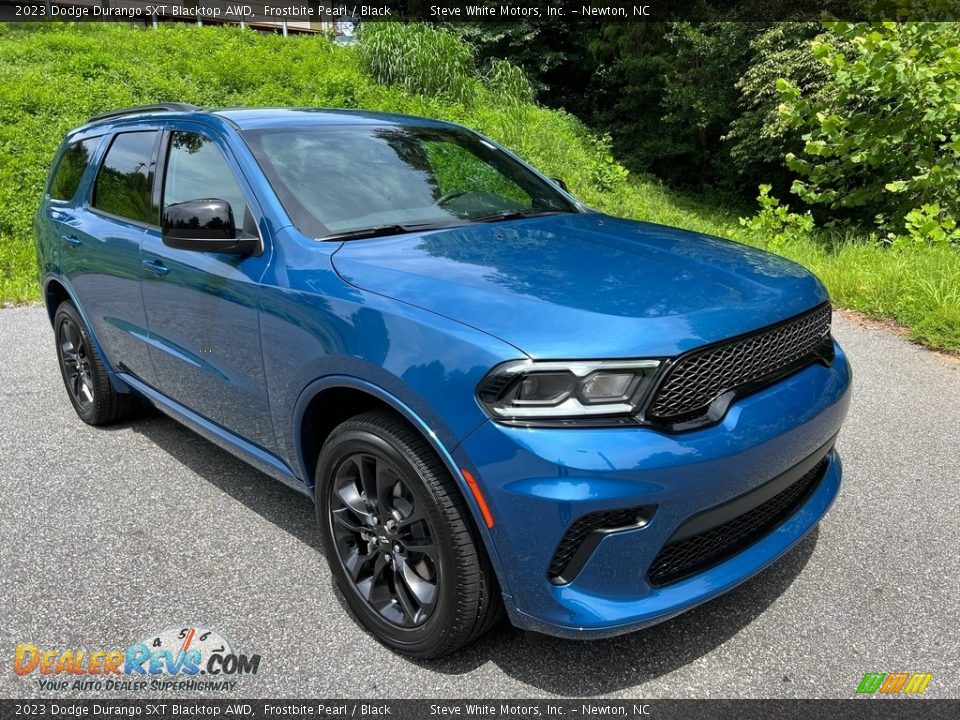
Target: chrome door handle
<point>72,240</point>
<point>156,267</point>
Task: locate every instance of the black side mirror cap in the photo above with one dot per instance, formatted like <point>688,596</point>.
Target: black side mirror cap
<point>204,226</point>
<point>561,184</point>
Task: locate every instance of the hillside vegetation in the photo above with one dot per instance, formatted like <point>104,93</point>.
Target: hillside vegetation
<point>53,77</point>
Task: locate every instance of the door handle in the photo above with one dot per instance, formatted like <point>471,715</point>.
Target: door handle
<point>156,267</point>
<point>72,240</point>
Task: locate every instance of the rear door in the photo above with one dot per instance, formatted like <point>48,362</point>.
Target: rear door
<point>53,222</point>
<point>100,255</point>
<point>202,307</point>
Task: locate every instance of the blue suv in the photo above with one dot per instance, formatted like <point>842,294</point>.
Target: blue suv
<point>498,398</point>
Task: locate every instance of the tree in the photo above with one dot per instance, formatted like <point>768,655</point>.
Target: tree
<point>882,137</point>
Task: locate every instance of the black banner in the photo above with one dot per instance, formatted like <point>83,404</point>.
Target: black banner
<point>857,709</point>
<point>540,11</point>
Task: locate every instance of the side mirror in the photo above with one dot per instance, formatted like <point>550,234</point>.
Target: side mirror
<point>561,184</point>
<point>204,226</point>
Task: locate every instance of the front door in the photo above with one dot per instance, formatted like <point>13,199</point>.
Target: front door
<point>202,308</point>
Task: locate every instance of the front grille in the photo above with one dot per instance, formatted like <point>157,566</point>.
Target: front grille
<point>695,554</point>
<point>580,530</point>
<point>700,377</point>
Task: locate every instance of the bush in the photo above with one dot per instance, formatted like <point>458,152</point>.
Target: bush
<point>760,136</point>
<point>776,223</point>
<point>882,141</point>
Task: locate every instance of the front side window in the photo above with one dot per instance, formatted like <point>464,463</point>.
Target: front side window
<point>70,171</point>
<point>337,180</point>
<point>196,170</point>
<point>125,182</point>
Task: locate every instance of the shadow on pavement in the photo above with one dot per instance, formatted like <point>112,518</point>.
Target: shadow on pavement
<point>566,668</point>
<point>289,510</point>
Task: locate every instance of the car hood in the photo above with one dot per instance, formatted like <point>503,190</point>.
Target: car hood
<point>585,286</point>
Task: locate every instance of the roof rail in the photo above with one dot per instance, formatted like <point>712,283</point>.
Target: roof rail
<point>159,107</point>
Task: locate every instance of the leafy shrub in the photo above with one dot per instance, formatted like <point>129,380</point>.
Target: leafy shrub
<point>776,223</point>
<point>883,138</point>
<point>927,224</point>
<point>760,136</point>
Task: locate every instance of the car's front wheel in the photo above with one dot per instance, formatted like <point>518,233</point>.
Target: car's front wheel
<point>84,374</point>
<point>399,538</point>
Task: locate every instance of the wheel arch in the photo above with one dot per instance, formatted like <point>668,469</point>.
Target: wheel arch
<point>56,291</point>
<point>350,396</point>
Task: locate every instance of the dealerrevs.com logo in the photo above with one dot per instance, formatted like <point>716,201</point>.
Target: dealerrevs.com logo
<point>181,658</point>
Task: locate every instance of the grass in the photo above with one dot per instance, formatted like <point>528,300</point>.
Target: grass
<point>52,77</point>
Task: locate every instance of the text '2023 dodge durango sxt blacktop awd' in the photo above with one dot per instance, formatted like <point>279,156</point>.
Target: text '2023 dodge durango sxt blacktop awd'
<point>498,398</point>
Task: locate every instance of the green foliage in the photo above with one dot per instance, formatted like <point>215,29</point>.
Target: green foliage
<point>882,140</point>
<point>549,54</point>
<point>509,83</point>
<point>53,77</point>
<point>776,223</point>
<point>701,97</point>
<point>419,58</point>
<point>928,224</point>
<point>423,59</point>
<point>666,94</point>
<point>759,136</point>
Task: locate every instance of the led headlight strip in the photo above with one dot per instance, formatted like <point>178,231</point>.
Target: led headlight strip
<point>528,391</point>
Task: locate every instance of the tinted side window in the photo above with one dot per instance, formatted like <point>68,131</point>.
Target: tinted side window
<point>196,170</point>
<point>67,177</point>
<point>125,180</point>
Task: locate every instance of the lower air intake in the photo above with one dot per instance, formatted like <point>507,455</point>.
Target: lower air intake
<point>689,556</point>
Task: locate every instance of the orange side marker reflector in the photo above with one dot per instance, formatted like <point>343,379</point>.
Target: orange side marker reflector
<point>478,496</point>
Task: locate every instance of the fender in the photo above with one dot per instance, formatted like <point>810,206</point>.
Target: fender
<point>446,455</point>
<point>118,384</point>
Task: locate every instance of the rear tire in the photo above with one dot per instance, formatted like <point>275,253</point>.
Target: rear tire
<point>84,375</point>
<point>400,541</point>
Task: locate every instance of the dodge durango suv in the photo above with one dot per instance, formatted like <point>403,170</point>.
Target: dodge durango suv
<point>499,399</point>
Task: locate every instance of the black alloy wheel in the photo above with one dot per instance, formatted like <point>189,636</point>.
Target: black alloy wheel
<point>75,358</point>
<point>399,538</point>
<point>383,539</point>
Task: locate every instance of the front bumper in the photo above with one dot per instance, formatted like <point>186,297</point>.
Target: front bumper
<point>539,481</point>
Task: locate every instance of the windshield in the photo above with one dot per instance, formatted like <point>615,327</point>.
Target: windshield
<point>338,181</point>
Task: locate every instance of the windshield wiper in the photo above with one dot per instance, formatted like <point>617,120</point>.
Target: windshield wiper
<point>382,230</point>
<point>514,215</point>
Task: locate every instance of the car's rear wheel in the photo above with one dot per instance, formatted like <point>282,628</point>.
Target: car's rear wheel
<point>84,375</point>
<point>400,540</point>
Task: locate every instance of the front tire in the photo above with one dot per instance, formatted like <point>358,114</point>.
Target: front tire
<point>84,374</point>
<point>399,539</point>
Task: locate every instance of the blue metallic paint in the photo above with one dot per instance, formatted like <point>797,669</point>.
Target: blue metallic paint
<point>236,348</point>
<point>573,285</point>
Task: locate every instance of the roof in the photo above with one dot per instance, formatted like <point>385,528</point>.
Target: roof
<point>255,118</point>
<point>260,118</point>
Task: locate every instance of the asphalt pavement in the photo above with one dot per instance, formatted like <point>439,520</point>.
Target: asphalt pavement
<point>110,535</point>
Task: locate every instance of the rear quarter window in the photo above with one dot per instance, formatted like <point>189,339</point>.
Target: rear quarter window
<point>69,172</point>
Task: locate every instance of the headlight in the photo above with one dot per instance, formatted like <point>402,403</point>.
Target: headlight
<point>530,392</point>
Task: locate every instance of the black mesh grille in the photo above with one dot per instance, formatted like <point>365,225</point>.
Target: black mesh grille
<point>701,376</point>
<point>695,554</point>
<point>580,529</point>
